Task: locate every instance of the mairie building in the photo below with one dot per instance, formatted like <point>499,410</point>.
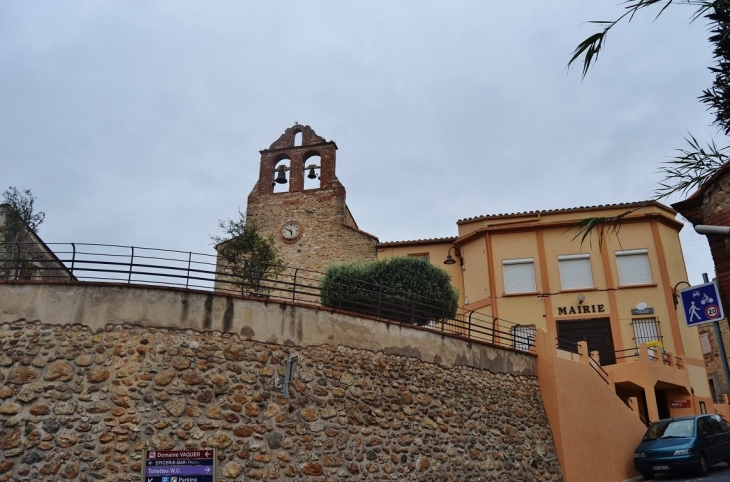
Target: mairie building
<point>614,293</point>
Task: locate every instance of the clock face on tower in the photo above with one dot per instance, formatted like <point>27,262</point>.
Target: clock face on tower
<point>291,231</point>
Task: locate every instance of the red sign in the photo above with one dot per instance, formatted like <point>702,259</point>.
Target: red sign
<point>681,403</point>
<point>179,454</point>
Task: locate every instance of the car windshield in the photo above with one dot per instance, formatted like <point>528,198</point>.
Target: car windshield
<point>670,429</point>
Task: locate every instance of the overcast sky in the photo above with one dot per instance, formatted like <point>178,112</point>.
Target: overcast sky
<point>140,123</point>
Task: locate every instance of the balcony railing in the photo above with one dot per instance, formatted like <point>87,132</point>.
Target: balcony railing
<point>87,262</point>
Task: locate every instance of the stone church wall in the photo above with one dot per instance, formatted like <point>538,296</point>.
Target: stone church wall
<point>325,239</point>
<point>79,404</point>
<point>328,232</point>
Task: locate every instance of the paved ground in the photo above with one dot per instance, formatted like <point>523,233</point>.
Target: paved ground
<point>718,473</point>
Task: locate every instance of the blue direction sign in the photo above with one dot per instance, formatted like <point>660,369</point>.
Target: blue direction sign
<point>196,465</point>
<point>701,304</point>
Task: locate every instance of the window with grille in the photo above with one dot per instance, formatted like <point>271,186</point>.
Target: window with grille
<point>633,267</point>
<point>646,330</point>
<point>519,275</point>
<point>705,342</point>
<point>575,271</point>
<point>524,336</point>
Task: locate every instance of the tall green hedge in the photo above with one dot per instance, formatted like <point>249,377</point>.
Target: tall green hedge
<point>403,289</point>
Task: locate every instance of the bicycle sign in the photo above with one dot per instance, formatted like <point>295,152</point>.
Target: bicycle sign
<point>701,304</point>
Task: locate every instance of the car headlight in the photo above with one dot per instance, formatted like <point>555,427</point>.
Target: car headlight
<point>638,455</point>
<point>682,452</point>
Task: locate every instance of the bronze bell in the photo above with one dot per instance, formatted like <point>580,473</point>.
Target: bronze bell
<point>311,174</point>
<point>281,176</point>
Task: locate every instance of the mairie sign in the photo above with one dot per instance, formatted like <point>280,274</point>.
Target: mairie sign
<point>701,304</point>
<point>196,465</point>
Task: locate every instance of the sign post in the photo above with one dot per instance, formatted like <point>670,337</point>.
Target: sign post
<point>197,465</point>
<point>701,304</point>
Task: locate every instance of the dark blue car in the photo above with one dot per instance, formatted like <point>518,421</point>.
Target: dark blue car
<point>691,443</point>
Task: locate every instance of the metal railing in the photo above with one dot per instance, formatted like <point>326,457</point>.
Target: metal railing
<point>567,345</point>
<point>627,353</point>
<point>655,354</point>
<point>606,357</point>
<point>87,262</point>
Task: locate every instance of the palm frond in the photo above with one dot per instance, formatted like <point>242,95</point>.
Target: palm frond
<point>691,169</point>
<point>591,46</point>
<point>603,226</point>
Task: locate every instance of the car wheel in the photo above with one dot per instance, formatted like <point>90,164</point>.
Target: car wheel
<point>647,475</point>
<point>703,470</point>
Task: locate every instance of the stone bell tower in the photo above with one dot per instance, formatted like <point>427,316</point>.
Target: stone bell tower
<point>301,203</point>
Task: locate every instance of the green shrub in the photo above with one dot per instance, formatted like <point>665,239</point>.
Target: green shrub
<point>247,257</point>
<point>402,289</point>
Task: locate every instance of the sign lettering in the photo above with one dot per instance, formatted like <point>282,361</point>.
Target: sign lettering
<point>179,465</point>
<point>580,309</point>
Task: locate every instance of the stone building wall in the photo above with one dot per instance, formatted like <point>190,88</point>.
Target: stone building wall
<point>714,362</point>
<point>30,258</point>
<point>81,405</point>
<point>325,238</point>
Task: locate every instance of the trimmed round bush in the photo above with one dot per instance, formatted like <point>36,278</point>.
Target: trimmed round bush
<point>403,289</point>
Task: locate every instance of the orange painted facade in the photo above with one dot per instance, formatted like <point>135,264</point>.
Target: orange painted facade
<point>614,293</point>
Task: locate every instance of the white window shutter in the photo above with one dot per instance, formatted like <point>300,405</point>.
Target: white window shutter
<point>575,271</point>
<point>519,275</point>
<point>633,267</point>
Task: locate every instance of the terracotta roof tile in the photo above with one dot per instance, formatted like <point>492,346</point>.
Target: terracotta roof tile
<point>419,241</point>
<point>566,210</point>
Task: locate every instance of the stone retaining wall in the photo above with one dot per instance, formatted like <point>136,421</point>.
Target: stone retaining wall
<point>98,304</point>
<point>76,404</point>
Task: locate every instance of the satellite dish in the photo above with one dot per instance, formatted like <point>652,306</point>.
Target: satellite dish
<point>641,306</point>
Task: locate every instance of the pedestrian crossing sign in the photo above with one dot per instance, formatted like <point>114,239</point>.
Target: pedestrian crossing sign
<point>701,304</point>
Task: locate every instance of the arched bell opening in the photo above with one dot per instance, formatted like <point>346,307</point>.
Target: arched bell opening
<point>312,171</point>
<point>280,176</point>
<point>298,138</point>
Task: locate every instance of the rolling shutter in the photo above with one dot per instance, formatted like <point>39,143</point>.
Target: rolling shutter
<point>519,275</point>
<point>575,271</point>
<point>633,267</point>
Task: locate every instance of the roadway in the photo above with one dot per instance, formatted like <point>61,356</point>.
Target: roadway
<point>718,473</point>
